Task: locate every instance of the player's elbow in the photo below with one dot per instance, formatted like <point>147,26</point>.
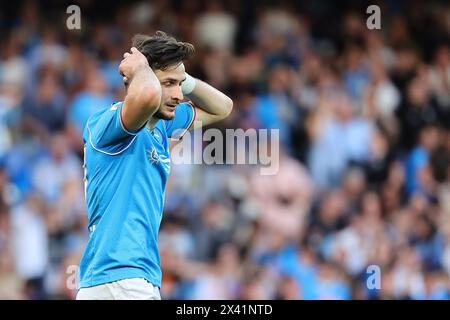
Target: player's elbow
<point>150,99</point>
<point>154,97</point>
<point>228,106</point>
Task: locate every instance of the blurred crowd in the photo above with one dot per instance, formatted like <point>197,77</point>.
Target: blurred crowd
<point>364,163</point>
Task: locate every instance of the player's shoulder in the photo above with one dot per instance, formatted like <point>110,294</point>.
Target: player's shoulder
<point>187,104</point>
<point>92,120</point>
<point>184,109</point>
<point>113,107</point>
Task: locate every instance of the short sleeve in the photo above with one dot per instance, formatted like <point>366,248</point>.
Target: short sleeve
<point>179,125</point>
<point>106,133</point>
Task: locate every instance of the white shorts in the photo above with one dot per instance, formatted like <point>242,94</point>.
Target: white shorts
<point>127,289</point>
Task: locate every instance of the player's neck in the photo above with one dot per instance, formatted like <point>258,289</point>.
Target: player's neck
<point>152,122</point>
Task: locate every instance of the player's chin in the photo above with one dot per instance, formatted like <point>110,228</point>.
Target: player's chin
<point>165,114</point>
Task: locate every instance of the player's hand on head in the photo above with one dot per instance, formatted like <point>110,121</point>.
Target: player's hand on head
<point>132,62</point>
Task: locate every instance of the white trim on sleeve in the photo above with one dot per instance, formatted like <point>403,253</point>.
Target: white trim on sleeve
<point>107,153</point>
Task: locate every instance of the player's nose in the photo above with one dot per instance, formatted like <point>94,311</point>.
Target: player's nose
<point>177,94</point>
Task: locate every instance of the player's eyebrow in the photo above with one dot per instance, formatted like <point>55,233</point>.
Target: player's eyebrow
<point>172,80</point>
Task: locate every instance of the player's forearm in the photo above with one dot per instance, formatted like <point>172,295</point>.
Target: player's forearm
<point>211,100</point>
<point>144,90</point>
<point>142,99</point>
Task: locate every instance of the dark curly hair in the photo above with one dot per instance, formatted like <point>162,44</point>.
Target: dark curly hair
<point>162,50</point>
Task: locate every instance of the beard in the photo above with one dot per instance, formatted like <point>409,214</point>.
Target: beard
<point>164,114</point>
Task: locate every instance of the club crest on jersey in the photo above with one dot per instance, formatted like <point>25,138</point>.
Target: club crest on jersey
<point>155,158</point>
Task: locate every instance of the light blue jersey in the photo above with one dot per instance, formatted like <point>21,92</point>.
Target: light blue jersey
<point>125,178</point>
